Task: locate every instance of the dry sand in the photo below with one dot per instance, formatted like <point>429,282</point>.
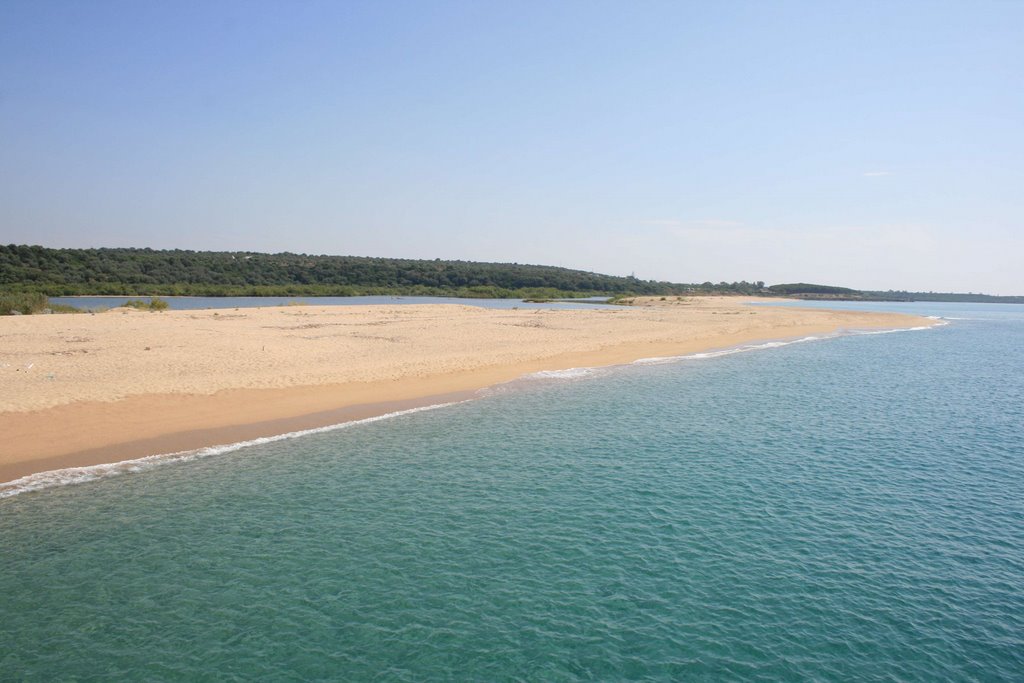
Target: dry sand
<point>90,389</point>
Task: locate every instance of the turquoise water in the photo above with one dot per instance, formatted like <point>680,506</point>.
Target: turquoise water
<point>843,509</point>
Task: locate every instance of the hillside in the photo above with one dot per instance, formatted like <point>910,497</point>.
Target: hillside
<point>140,272</point>
<point>57,272</point>
<point>973,298</point>
<point>802,290</point>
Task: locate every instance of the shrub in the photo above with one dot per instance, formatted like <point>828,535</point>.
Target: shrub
<point>154,304</point>
<point>64,308</point>
<point>23,303</point>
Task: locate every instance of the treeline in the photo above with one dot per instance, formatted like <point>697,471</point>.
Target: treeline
<point>148,272</point>
<point>130,272</point>
<point>901,295</point>
<point>742,287</point>
<point>808,291</point>
<point>798,288</point>
<point>177,272</point>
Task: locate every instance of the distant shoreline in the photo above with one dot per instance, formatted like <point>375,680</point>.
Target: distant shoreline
<point>87,390</point>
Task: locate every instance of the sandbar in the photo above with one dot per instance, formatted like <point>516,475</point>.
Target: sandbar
<point>89,389</point>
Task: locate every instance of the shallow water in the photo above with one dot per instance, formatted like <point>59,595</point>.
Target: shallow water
<point>201,302</point>
<point>845,509</point>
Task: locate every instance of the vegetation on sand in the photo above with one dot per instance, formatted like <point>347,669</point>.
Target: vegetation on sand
<point>154,304</point>
<point>22,303</point>
<point>27,303</point>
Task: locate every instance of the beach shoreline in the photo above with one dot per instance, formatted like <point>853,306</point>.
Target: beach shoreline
<point>76,423</point>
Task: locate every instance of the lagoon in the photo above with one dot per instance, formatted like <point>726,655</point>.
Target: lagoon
<point>202,302</point>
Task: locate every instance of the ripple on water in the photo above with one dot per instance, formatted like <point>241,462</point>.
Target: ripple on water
<point>842,510</point>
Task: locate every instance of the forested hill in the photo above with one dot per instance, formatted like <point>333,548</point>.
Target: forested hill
<point>56,272</point>
<point>65,272</point>
<point>973,298</point>
<point>809,291</point>
<point>802,290</point>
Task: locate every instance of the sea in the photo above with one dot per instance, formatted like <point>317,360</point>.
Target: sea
<point>848,508</point>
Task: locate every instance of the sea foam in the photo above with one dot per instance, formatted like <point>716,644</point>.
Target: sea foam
<point>81,475</point>
<point>568,373</point>
<point>718,353</point>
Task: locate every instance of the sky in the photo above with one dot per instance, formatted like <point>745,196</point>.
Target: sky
<point>874,145</point>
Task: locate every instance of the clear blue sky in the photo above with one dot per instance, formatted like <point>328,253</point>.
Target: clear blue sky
<point>866,144</point>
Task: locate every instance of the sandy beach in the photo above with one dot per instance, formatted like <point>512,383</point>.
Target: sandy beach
<point>90,389</point>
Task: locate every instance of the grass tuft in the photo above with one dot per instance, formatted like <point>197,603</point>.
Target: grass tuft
<point>154,304</point>
<point>22,303</point>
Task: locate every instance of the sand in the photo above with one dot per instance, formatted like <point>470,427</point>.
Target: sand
<point>89,389</point>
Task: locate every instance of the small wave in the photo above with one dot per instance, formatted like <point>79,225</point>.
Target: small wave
<point>82,475</point>
<point>941,323</point>
<point>983,320</point>
<point>569,373</point>
<point>542,377</point>
<point>775,344</point>
<point>861,333</point>
<point>657,360</point>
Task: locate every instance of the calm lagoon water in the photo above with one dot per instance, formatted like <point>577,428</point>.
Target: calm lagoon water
<point>199,302</point>
<point>843,509</point>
